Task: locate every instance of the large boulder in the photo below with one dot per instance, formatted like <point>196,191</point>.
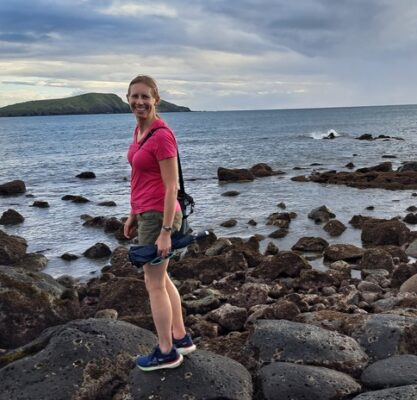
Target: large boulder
<point>260,170</point>
<point>321,214</point>
<point>31,302</point>
<point>344,252</point>
<point>293,381</point>
<point>204,375</point>
<point>235,175</point>
<point>281,340</point>
<point>377,259</point>
<point>410,285</point>
<point>386,335</point>
<point>393,371</point>
<point>11,217</point>
<point>308,243</point>
<point>408,392</point>
<point>334,227</point>
<point>12,187</point>
<point>84,359</point>
<point>12,248</point>
<point>378,233</point>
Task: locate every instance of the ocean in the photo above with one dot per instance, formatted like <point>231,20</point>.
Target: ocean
<point>48,152</point>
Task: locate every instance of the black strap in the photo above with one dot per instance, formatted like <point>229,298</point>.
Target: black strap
<point>181,179</point>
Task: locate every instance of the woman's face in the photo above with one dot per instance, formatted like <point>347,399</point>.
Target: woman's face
<point>141,101</point>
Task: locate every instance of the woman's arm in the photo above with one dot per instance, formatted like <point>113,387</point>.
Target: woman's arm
<point>169,174</point>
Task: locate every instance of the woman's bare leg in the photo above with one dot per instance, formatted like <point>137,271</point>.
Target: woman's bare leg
<point>178,329</point>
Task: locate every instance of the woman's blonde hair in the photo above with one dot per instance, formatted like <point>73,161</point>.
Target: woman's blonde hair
<point>148,81</point>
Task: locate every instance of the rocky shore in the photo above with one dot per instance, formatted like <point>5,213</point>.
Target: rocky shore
<point>267,324</point>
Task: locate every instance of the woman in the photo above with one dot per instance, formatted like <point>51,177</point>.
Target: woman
<point>155,208</point>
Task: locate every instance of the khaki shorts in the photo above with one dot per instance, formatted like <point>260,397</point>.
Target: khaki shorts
<point>150,224</point>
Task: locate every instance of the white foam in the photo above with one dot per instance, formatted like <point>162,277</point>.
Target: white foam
<point>322,135</point>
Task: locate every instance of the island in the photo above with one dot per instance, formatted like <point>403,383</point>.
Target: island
<point>89,103</point>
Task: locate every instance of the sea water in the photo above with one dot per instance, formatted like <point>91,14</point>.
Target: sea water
<point>48,152</point>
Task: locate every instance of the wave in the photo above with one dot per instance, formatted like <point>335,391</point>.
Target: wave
<point>322,135</point>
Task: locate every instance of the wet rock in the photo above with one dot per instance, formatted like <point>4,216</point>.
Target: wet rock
<point>393,371</point>
<point>109,203</point>
<point>12,188</point>
<point>350,165</point>
<point>377,259</point>
<point>410,218</point>
<point>304,382</point>
<point>357,221</point>
<point>279,233</point>
<point>411,250</point>
<point>281,220</point>
<point>40,204</point>
<point>271,249</point>
<point>408,392</point>
<point>410,285</point>
<point>345,252</point>
<point>261,170</point>
<point>306,344</point>
<point>377,233</point>
<point>119,256</point>
<point>11,217</point>
<point>385,335</point>
<point>284,264</point>
<point>321,214</point>
<point>86,175</point>
<point>203,373</point>
<point>99,250</point>
<point>234,175</point>
<point>229,317</point>
<point>315,244</point>
<point>112,225</point>
<point>365,136</point>
<point>95,222</point>
<point>12,248</point>
<point>313,278</point>
<point>218,247</point>
<point>408,166</point>
<point>29,303</point>
<point>32,262</point>
<point>334,227</point>
<point>69,257</point>
<point>79,199</point>
<point>401,273</point>
<point>98,361</point>
<point>231,193</point>
<point>252,222</point>
<point>281,205</point>
<point>383,167</point>
<point>67,281</point>
<point>229,223</point>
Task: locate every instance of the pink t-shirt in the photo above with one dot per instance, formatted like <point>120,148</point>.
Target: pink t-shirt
<point>147,190</point>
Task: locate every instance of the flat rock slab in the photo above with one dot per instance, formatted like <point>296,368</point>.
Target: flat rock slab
<point>400,393</point>
<point>386,335</point>
<point>281,340</point>
<point>84,359</point>
<point>304,382</point>
<point>394,371</point>
<point>202,376</point>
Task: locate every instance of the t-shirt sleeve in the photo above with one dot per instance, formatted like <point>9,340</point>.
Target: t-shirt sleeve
<point>166,146</point>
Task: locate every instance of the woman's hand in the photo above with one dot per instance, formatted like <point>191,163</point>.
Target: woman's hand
<point>163,243</point>
<point>129,226</point>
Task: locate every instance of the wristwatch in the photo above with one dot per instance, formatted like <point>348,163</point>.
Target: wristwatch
<point>167,228</point>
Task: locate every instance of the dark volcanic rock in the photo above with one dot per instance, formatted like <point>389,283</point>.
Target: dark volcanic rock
<point>377,259</point>
<point>234,175</point>
<point>32,262</point>
<point>12,187</point>
<point>306,344</point>
<point>80,199</point>
<point>69,257</point>
<point>261,170</point>
<point>382,232</point>
<point>85,359</point>
<point>99,250</point>
<point>385,335</point>
<point>408,392</point>
<point>229,223</point>
<point>229,317</point>
<point>110,203</point>
<point>11,217</point>
<point>40,204</point>
<point>112,225</point>
<point>12,248</point>
<point>204,375</point>
<point>346,252</point>
<point>410,218</point>
<point>408,166</point>
<point>315,244</point>
<point>29,303</point>
<point>321,214</point>
<point>334,227</point>
<point>86,175</point>
<point>392,371</point>
<point>231,193</point>
<point>279,233</point>
<point>304,382</point>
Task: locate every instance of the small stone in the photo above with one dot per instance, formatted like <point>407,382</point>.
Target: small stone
<point>40,204</point>
<point>69,257</point>
<point>231,193</point>
<point>107,204</point>
<point>229,223</point>
<point>99,250</point>
<point>86,175</point>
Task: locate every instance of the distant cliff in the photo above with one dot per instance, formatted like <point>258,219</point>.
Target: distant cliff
<point>90,103</point>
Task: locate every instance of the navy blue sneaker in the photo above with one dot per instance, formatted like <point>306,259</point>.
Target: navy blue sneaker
<point>185,345</point>
<point>159,360</point>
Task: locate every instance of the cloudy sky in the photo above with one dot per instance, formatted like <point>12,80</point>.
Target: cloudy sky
<point>213,54</point>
